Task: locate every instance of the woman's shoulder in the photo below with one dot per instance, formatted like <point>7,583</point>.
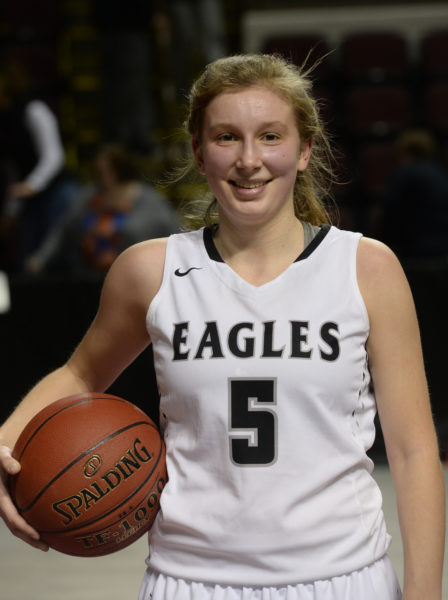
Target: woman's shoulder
<point>146,254</point>
<point>147,192</point>
<point>381,277</point>
<point>138,270</point>
<point>375,257</point>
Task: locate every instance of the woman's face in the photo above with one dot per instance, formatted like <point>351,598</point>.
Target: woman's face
<point>250,151</point>
<point>105,174</point>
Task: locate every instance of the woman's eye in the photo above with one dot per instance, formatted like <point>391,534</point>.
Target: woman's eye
<point>226,137</point>
<point>271,137</point>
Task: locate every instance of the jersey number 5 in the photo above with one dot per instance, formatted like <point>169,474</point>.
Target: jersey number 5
<point>252,423</point>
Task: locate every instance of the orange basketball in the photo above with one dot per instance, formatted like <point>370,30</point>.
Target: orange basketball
<point>93,469</point>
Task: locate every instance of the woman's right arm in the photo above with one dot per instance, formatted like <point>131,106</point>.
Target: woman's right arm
<point>115,338</point>
<point>58,384</point>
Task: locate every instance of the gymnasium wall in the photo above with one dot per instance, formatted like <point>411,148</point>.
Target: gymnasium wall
<point>335,20</point>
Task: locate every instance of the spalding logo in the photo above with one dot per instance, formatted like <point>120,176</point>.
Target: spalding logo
<point>92,465</point>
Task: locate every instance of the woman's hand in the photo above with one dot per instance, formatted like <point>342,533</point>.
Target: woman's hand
<point>8,512</point>
<point>20,189</point>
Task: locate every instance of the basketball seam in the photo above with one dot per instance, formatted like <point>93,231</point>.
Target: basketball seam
<point>53,415</point>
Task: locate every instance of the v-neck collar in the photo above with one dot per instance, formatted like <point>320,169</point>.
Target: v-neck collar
<point>213,252</point>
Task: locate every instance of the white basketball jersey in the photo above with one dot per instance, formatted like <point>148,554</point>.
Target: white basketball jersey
<point>267,413</point>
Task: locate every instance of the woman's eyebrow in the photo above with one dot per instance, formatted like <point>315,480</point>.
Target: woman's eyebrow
<point>265,126</point>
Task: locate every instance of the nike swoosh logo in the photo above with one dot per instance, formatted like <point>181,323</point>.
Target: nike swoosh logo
<point>180,273</point>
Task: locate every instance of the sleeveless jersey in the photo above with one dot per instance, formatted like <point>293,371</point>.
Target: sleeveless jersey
<point>267,412</point>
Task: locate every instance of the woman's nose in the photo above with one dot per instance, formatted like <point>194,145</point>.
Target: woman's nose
<point>249,157</point>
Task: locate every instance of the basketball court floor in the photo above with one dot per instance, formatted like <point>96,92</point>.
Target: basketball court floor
<point>28,574</point>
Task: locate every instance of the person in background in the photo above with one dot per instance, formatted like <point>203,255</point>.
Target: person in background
<point>37,189</point>
<point>115,211</point>
<point>415,206</point>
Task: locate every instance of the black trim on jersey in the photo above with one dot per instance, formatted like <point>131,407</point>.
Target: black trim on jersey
<point>212,250</point>
<point>213,253</point>
<point>318,238</point>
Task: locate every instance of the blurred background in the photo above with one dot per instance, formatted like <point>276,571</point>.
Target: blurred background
<point>92,96</point>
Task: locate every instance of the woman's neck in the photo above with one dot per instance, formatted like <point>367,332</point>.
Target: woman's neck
<point>260,254</point>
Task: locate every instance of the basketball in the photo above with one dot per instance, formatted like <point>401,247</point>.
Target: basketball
<point>93,469</point>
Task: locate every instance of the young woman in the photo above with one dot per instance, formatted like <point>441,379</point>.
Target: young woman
<point>270,331</point>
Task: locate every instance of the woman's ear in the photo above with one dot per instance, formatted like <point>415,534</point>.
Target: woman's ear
<point>305,154</point>
<point>198,156</point>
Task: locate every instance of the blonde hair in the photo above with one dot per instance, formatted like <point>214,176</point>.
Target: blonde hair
<point>312,187</point>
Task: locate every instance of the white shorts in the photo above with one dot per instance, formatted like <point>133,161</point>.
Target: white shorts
<point>375,582</point>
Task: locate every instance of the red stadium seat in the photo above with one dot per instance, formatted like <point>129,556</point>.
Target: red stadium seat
<point>437,107</point>
<point>434,53</point>
<point>378,110</point>
<point>374,56</point>
<point>377,163</point>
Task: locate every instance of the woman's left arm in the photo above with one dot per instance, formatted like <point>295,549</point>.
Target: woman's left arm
<point>401,390</point>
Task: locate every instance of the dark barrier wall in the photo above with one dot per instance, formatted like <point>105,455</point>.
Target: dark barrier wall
<point>47,319</point>
<point>49,315</point>
<point>430,290</point>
